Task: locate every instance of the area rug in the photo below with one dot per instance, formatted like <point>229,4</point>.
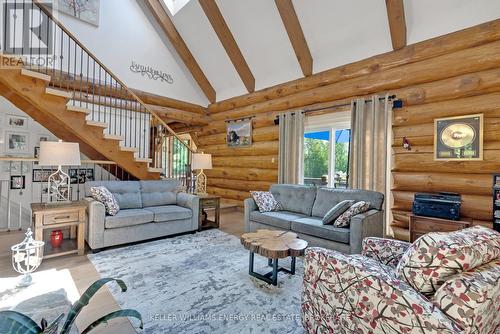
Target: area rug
<point>50,295</point>
<point>199,283</point>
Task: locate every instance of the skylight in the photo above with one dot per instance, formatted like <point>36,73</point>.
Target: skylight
<point>175,5</point>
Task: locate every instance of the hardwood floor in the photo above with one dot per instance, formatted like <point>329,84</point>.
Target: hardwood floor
<point>83,274</point>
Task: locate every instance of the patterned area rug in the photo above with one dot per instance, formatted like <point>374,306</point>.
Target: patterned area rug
<point>199,283</point>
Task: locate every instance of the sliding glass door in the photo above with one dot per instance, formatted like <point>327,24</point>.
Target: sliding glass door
<point>326,151</point>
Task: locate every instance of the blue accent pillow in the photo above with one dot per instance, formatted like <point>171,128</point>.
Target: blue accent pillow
<point>336,211</point>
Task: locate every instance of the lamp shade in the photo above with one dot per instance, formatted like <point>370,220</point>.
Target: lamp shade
<point>202,161</point>
<point>59,154</point>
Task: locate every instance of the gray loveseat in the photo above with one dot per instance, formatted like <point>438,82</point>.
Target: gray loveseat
<point>305,207</point>
<point>148,209</point>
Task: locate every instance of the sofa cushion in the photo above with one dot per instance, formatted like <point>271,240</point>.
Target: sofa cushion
<point>435,257</point>
<point>158,193</point>
<point>336,211</point>
<point>129,217</point>
<point>327,198</point>
<point>280,219</point>
<point>265,201</point>
<point>314,227</point>
<point>169,212</point>
<point>472,298</point>
<point>103,195</point>
<point>345,219</point>
<point>295,198</point>
<point>127,193</point>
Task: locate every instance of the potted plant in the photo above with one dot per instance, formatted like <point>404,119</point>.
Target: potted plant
<point>12,322</point>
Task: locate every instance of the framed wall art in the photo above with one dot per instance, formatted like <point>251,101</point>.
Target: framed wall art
<point>17,142</point>
<point>17,182</point>
<point>85,10</point>
<point>17,122</point>
<point>41,175</point>
<point>239,133</point>
<point>458,138</point>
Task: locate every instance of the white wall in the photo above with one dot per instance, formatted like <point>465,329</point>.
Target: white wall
<point>126,34</point>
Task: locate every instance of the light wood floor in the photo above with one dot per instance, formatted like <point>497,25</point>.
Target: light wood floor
<point>84,274</point>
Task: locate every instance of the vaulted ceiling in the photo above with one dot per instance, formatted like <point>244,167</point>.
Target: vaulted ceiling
<point>238,46</point>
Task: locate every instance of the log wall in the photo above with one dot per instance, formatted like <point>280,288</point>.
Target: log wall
<point>451,75</point>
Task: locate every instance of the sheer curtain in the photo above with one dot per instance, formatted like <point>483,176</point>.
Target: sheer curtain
<point>370,144</point>
<point>291,148</point>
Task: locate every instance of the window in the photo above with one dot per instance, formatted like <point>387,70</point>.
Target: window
<point>326,150</point>
<point>175,5</point>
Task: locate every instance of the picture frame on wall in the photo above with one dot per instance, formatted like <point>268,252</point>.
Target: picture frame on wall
<point>42,138</point>
<point>41,175</point>
<point>17,142</point>
<point>17,182</point>
<point>17,122</point>
<point>81,175</point>
<point>239,133</point>
<point>459,138</point>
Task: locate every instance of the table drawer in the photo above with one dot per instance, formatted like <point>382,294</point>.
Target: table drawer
<point>210,202</point>
<point>432,226</point>
<point>59,218</point>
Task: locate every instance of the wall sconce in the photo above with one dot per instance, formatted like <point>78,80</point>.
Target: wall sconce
<point>406,144</point>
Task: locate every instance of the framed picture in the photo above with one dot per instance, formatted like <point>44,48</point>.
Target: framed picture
<point>18,122</point>
<point>17,182</point>
<point>41,175</point>
<point>42,138</point>
<point>87,11</point>
<point>17,142</point>
<point>81,175</point>
<point>239,133</point>
<point>458,138</point>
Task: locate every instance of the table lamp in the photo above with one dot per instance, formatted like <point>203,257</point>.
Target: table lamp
<point>201,161</point>
<point>59,154</point>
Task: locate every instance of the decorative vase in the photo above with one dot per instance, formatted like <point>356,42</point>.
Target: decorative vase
<point>56,238</point>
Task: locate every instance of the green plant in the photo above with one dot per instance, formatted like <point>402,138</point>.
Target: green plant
<point>12,322</point>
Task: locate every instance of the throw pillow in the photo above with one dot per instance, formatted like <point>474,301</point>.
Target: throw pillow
<point>336,211</point>
<point>266,201</point>
<point>345,219</point>
<point>435,257</point>
<point>103,195</point>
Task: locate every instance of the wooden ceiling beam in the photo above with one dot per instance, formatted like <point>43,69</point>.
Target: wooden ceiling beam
<point>296,35</point>
<point>397,23</point>
<point>180,46</point>
<point>228,42</point>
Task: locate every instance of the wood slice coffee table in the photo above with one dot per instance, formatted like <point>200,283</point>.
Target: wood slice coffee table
<point>274,245</point>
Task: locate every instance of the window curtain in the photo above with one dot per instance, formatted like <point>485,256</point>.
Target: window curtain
<point>291,148</point>
<point>370,140</point>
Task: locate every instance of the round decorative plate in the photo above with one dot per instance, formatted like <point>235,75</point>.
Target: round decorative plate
<point>458,135</point>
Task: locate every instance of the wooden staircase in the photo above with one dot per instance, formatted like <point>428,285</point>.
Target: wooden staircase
<point>78,99</point>
<point>49,107</point>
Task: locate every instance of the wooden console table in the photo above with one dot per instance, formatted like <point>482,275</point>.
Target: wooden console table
<point>420,225</point>
<point>58,216</point>
<point>209,202</point>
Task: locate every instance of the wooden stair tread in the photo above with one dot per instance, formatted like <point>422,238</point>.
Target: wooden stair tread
<point>155,170</point>
<point>98,124</point>
<point>78,109</point>
<point>146,160</point>
<point>129,149</point>
<point>113,137</point>
<point>58,92</point>
<point>35,74</point>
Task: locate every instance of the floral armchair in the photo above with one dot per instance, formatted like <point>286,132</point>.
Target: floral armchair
<point>369,293</point>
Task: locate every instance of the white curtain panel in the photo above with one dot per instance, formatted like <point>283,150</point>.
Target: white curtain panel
<point>370,140</point>
<point>291,151</point>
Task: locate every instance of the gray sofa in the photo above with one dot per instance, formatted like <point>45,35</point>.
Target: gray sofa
<point>305,206</point>
<point>148,209</point>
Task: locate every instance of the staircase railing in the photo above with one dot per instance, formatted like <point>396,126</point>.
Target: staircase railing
<point>94,87</point>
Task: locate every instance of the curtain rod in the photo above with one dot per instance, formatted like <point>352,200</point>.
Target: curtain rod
<point>391,97</point>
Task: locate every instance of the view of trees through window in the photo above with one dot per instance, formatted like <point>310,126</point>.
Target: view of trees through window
<point>316,156</point>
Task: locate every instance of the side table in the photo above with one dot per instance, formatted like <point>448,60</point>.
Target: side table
<point>420,225</point>
<point>58,216</point>
<point>208,202</point>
